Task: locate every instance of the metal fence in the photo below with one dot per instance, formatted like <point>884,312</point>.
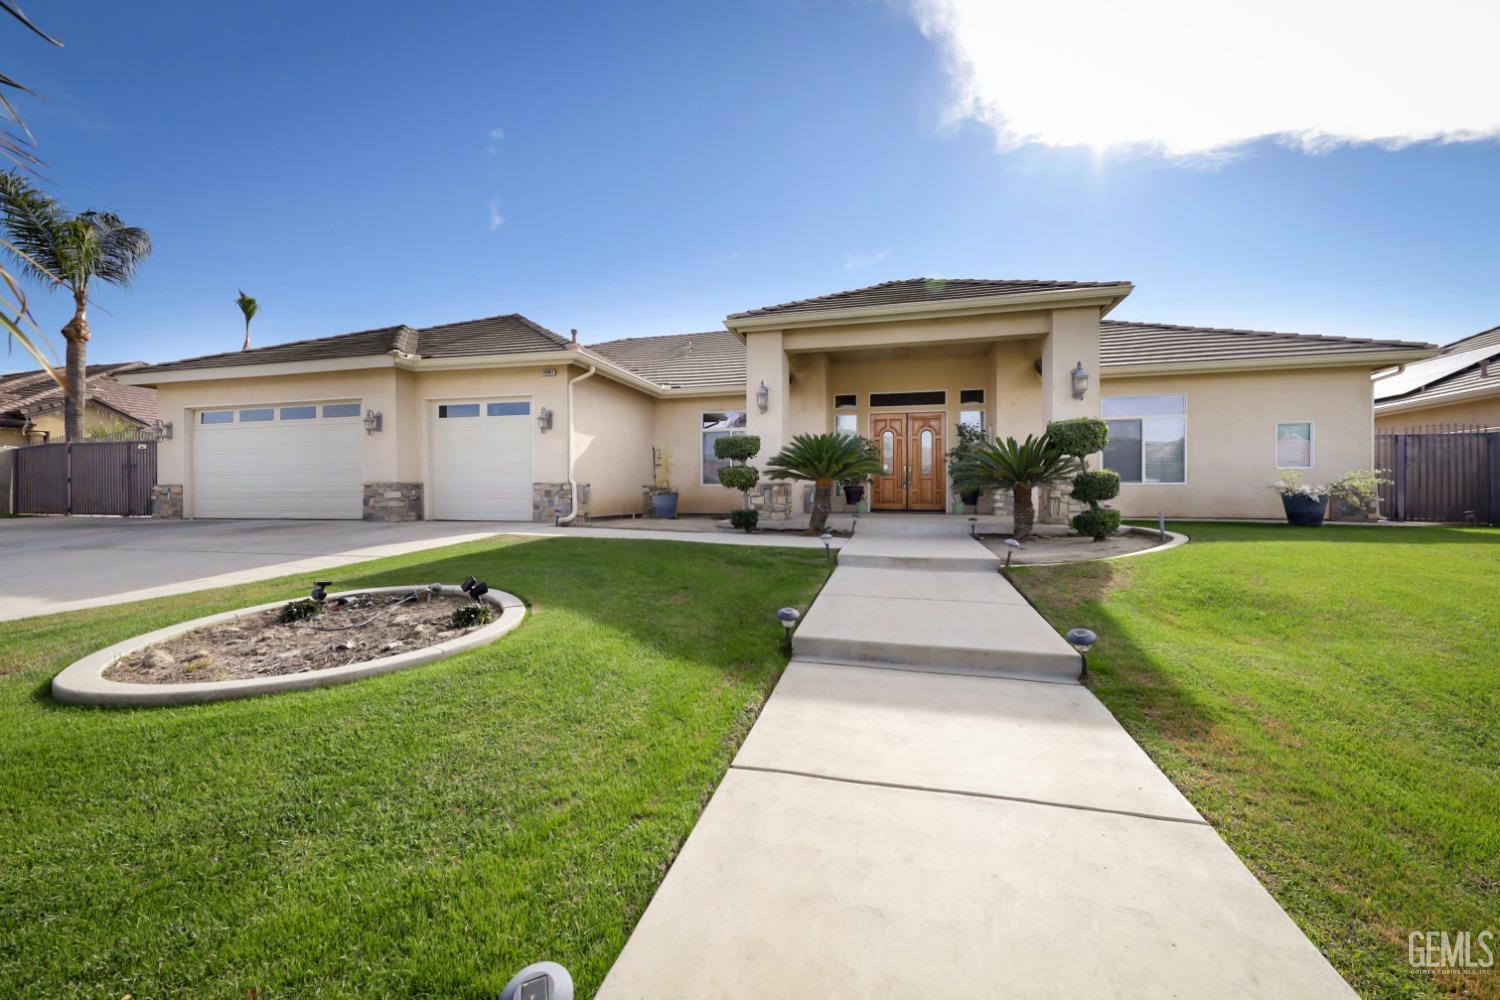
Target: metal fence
<point>84,477</point>
<point>1443,472</point>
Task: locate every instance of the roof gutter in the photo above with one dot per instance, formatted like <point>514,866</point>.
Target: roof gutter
<point>572,479</point>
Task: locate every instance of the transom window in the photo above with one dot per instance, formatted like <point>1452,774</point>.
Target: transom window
<point>1294,445</point>
<point>1147,438</point>
<point>718,424</point>
<point>933,398</point>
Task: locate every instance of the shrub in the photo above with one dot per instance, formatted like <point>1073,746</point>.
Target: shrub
<point>1080,436</point>
<point>299,610</point>
<point>1100,522</point>
<point>745,519</point>
<point>738,448</point>
<point>740,477</point>
<point>470,615</point>
<point>1091,487</point>
<point>1360,487</point>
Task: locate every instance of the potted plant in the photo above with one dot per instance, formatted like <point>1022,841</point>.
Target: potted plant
<point>968,436</point>
<point>824,459</point>
<point>1018,466</point>
<point>1305,504</point>
<point>663,497</point>
<point>854,490</point>
<point>1356,495</point>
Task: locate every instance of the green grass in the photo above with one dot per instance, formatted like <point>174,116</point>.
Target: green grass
<point>1330,700</point>
<point>422,834</point>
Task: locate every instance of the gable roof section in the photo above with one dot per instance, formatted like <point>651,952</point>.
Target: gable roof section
<point>681,360</point>
<point>908,291</point>
<point>508,334</point>
<point>1445,376</point>
<point>27,394</point>
<point>1124,345</point>
<point>1484,338</point>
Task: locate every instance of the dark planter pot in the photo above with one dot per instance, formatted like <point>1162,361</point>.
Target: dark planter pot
<point>664,505</point>
<point>854,494</point>
<point>1305,511</point>
<point>971,498</point>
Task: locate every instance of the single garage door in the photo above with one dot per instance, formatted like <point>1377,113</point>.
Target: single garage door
<point>481,460</point>
<point>290,460</point>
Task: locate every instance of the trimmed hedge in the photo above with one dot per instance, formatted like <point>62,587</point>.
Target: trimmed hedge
<point>739,477</point>
<point>1101,522</point>
<point>745,519</point>
<point>1091,487</point>
<point>1079,436</point>
<point>737,448</point>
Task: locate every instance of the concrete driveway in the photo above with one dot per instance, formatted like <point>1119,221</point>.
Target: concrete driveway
<point>62,564</point>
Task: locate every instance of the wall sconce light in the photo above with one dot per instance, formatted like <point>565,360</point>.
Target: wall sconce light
<point>544,420</point>
<point>1080,381</point>
<point>763,397</point>
<point>373,421</point>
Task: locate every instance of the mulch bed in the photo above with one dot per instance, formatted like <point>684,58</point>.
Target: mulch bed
<point>362,627</point>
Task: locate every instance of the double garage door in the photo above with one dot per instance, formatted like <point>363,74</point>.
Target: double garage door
<point>306,460</point>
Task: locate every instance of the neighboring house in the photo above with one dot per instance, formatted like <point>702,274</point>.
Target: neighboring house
<point>31,404</point>
<point>498,418</point>
<point>1459,386</point>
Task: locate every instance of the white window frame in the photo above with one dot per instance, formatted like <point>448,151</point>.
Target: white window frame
<point>1186,475</point>
<point>702,481</point>
<point>1312,445</point>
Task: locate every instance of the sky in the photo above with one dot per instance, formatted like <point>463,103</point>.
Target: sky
<point>643,168</point>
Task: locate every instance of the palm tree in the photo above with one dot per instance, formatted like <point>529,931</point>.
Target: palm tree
<point>248,306</point>
<point>1016,466</point>
<point>822,459</point>
<point>62,250</point>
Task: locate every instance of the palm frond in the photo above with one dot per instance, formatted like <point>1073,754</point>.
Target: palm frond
<point>118,250</point>
<point>1007,463</point>
<point>248,305</point>
<point>15,11</point>
<point>33,224</point>
<point>814,457</point>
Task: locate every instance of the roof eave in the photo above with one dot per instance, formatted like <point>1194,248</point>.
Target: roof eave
<point>1361,359</point>
<point>264,370</point>
<point>1106,297</point>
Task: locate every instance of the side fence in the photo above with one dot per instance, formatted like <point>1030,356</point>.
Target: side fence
<point>85,477</point>
<point>1445,472</point>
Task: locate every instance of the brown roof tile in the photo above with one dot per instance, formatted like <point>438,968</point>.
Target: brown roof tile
<point>914,290</point>
<point>26,394</point>
<point>1123,343</point>
<point>680,360</point>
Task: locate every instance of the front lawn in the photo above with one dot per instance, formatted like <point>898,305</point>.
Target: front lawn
<point>422,834</point>
<point>1330,700</point>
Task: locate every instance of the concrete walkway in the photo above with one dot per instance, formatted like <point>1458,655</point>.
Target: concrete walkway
<point>942,827</point>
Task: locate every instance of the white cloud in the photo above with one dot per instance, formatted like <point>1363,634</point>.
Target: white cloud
<point>496,219</point>
<point>1189,77</point>
<point>496,134</point>
<point>855,261</point>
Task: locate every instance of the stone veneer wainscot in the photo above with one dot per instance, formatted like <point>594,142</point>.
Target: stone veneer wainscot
<point>549,501</point>
<point>166,501</point>
<point>393,502</point>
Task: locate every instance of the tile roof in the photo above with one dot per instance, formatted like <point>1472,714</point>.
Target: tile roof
<point>26,394</point>
<point>1123,344</point>
<point>508,334</point>
<point>1443,377</point>
<point>680,360</point>
<point>1484,338</point>
<point>915,290</point>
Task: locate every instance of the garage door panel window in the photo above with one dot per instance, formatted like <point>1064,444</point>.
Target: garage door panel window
<point>298,412</point>
<point>1147,438</point>
<point>514,409</point>
<point>341,410</point>
<point>255,416</point>
<point>451,410</point>
<point>716,425</point>
<point>216,417</point>
<point>1294,445</point>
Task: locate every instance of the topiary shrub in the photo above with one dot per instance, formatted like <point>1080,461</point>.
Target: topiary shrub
<point>1092,487</point>
<point>740,477</point>
<point>470,615</point>
<point>1080,436</point>
<point>738,448</point>
<point>299,610</point>
<point>1101,522</point>
<point>745,519</point>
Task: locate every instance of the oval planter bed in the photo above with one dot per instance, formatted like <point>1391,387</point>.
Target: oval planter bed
<point>85,683</point>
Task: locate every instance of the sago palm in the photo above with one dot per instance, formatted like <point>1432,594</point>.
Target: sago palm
<point>821,459</point>
<point>249,307</point>
<point>1018,466</point>
<point>62,250</point>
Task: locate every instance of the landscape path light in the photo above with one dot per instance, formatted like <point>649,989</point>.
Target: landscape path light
<point>788,618</point>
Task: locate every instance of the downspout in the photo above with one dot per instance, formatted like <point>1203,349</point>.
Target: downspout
<point>572,479</point>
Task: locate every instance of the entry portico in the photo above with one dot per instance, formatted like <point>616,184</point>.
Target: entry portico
<point>901,363</point>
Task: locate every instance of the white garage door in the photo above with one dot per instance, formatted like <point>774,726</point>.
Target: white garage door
<point>291,460</point>
<point>481,460</point>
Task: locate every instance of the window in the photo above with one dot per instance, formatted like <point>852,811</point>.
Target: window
<point>216,417</point>
<point>847,401</point>
<point>925,440</point>
<point>938,398</point>
<point>1294,445</point>
<point>718,424</point>
<point>1147,438</point>
<point>846,423</point>
<point>887,453</point>
<point>253,416</point>
<point>450,410</point>
<point>971,396</point>
<point>520,409</point>
<point>298,412</point>
<point>341,410</point>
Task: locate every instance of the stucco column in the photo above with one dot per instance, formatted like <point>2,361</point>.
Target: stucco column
<point>765,362</point>
<point>1074,339</point>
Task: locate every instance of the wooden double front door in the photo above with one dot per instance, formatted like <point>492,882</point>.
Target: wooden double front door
<point>910,447</point>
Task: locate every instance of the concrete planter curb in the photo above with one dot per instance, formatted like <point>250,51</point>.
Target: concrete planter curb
<point>83,682</point>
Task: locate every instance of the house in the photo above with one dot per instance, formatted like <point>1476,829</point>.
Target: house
<point>500,418</point>
<point>1459,386</point>
<point>31,404</point>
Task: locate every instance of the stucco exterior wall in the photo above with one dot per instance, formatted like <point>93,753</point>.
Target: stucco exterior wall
<point>677,426</point>
<point>1483,412</point>
<point>1231,437</point>
<point>613,428</point>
